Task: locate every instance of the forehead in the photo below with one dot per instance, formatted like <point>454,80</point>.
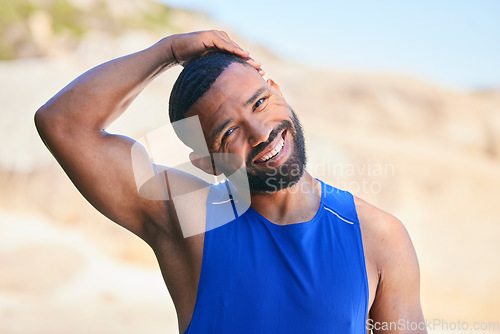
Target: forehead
<point>236,84</point>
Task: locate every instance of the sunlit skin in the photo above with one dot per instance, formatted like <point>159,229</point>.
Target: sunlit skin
<point>100,165</point>
<point>253,117</point>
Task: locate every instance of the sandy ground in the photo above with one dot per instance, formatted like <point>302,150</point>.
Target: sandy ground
<point>55,280</point>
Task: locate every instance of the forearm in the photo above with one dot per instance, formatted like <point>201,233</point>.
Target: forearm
<point>96,98</point>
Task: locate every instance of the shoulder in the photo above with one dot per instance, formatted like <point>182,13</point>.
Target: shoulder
<point>394,266</point>
<point>376,220</point>
<point>395,293</point>
<point>385,238</point>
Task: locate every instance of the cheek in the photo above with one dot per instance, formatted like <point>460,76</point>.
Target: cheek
<point>238,145</point>
<point>280,109</point>
<point>233,157</point>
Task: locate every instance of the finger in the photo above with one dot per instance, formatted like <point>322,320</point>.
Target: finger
<point>234,48</point>
<point>253,62</point>
<point>228,39</point>
<point>223,33</point>
<point>231,47</point>
<point>237,49</point>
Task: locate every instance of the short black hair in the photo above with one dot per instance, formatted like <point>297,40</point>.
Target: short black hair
<point>196,79</point>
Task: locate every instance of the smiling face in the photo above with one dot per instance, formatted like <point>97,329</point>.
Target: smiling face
<point>244,115</point>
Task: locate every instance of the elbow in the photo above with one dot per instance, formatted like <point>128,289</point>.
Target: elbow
<point>47,125</point>
<point>41,126</point>
<point>41,121</point>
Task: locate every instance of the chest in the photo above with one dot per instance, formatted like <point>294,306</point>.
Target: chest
<point>302,276</point>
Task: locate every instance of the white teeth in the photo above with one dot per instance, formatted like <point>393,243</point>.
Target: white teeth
<point>274,152</point>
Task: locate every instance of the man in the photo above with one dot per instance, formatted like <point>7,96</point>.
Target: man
<point>304,258</point>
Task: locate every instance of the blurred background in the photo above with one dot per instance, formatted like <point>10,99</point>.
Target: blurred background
<point>400,105</point>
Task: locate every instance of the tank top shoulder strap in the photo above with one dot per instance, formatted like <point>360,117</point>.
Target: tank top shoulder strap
<point>340,202</point>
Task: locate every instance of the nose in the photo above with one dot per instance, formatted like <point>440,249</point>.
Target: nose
<point>259,131</point>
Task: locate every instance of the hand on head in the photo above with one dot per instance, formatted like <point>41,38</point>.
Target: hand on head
<point>185,47</point>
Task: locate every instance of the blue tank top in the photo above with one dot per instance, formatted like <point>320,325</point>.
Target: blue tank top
<point>260,277</point>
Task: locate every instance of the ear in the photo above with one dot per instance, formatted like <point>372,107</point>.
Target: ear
<point>275,86</point>
<point>203,162</point>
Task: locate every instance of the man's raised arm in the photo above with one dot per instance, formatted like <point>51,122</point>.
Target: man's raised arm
<point>72,125</point>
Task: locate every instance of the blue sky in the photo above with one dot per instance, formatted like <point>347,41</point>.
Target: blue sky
<point>451,43</point>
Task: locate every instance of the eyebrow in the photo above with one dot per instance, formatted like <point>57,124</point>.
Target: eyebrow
<point>255,95</point>
<point>222,126</point>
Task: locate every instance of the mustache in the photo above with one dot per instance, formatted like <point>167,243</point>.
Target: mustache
<point>262,146</point>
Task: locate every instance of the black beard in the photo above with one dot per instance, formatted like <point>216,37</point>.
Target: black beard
<point>288,174</point>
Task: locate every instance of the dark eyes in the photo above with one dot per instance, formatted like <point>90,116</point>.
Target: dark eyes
<point>226,134</point>
<point>259,103</point>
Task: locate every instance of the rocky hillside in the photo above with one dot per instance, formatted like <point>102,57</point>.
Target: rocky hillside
<point>38,28</point>
<point>428,154</point>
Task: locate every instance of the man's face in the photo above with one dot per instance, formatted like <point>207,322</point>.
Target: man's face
<point>246,116</point>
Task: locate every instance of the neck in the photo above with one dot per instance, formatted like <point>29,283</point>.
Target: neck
<point>295,204</point>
